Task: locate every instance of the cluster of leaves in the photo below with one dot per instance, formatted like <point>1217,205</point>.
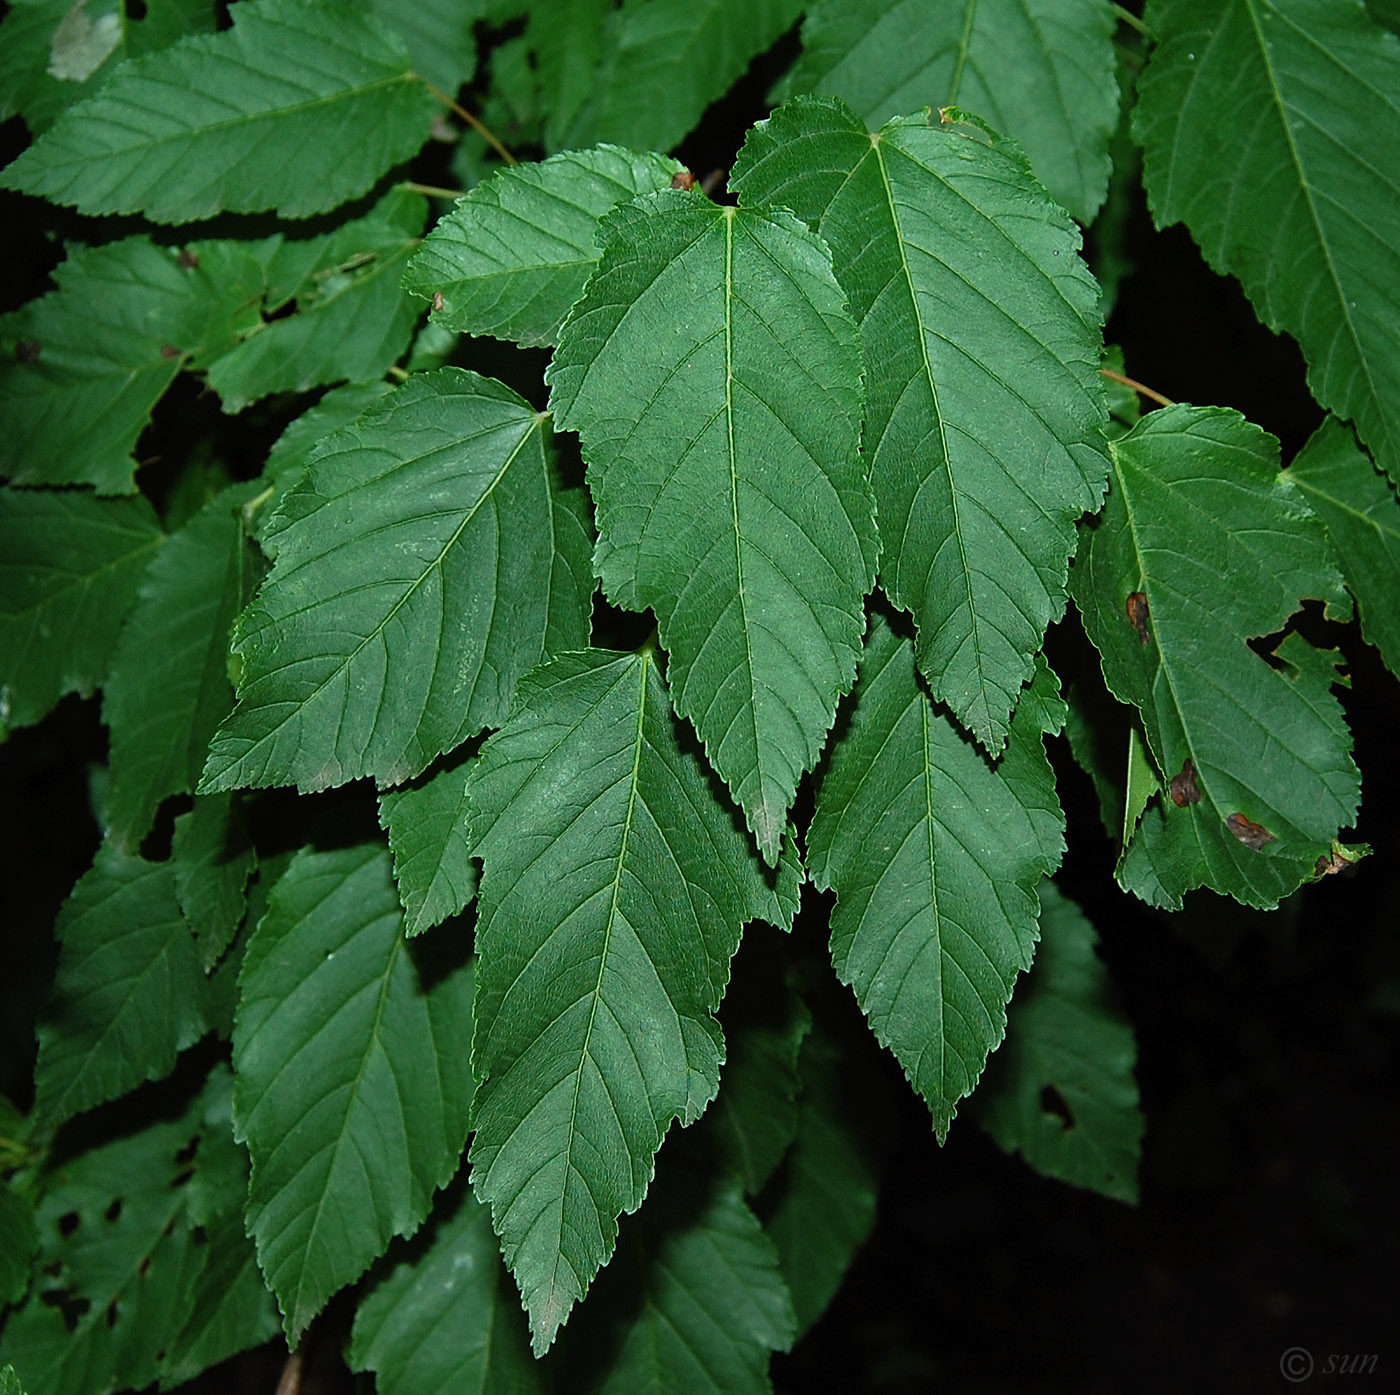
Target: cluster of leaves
<point>846,438</point>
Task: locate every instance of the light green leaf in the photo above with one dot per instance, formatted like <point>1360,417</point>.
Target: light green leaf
<point>1060,1090</point>
<point>9,1382</point>
<point>84,365</point>
<point>415,579</point>
<point>1362,517</point>
<point>1203,545</point>
<point>117,1251</point>
<point>128,996</point>
<point>984,424</point>
<point>213,860</point>
<point>351,320</point>
<point>1061,105</point>
<point>446,1319</point>
<point>823,1200</point>
<point>713,376</point>
<point>69,568</point>
<point>934,853</point>
<point>250,119</point>
<point>427,827</point>
<point>1271,128</point>
<point>169,687</point>
<point>54,52</point>
<point>352,1087</point>
<point>18,1241</point>
<point>662,62</point>
<point>513,255</point>
<point>695,1295</point>
<point>614,887</point>
<point>438,33</point>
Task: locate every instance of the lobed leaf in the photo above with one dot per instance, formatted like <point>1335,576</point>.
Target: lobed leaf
<point>128,995</point>
<point>241,121</point>
<point>445,1321</point>
<point>70,565</point>
<point>614,888</point>
<point>169,687</point>
<point>934,853</point>
<point>427,827</point>
<point>984,425</point>
<point>1204,545</point>
<point>1061,106</point>
<point>1362,517</point>
<point>513,255</point>
<point>415,578</point>
<point>1060,1091</point>
<point>352,1089</point>
<point>713,376</point>
<point>1271,128</point>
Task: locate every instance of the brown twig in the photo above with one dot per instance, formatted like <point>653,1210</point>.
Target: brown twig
<point>484,131</point>
<point>290,1382</point>
<point>1137,387</point>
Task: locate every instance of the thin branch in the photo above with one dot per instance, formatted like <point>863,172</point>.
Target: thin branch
<point>483,131</point>
<point>394,371</point>
<point>1130,19</point>
<point>1138,387</point>
<point>433,191</point>
<point>290,1384</point>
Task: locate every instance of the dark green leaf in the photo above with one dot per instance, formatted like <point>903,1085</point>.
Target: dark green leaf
<point>415,579</point>
<point>1271,128</point>
<point>1362,516</point>
<point>69,568</point>
<point>713,375</point>
<point>213,860</point>
<point>1061,1089</point>
<point>352,1087</point>
<point>289,457</point>
<point>513,255</point>
<point>1202,546</point>
<point>18,1241</point>
<point>967,284</point>
<point>438,33</point>
<point>427,827</point>
<point>447,1320</point>
<point>128,995</point>
<point>169,687</point>
<point>1042,71</point>
<point>250,119</point>
<point>614,888</point>
<point>934,853</point>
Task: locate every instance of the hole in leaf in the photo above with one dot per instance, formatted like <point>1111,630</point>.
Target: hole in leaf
<point>185,1156</point>
<point>1054,1103</point>
<point>111,1316</point>
<point>136,9</point>
<point>53,1269</point>
<point>68,1223</point>
<point>144,1267</point>
<point>113,1213</point>
<point>181,1178</point>
<point>1264,646</point>
<point>71,1305</point>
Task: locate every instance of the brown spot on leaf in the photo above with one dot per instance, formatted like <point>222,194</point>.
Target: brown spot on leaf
<point>1332,862</point>
<point>187,259</point>
<point>1251,834</point>
<point>1183,788</point>
<point>683,180</point>
<point>1136,606</point>
<point>169,351</point>
<point>27,350</point>
<point>439,304</point>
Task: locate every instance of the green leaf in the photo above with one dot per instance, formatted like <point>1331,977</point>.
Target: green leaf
<point>213,860</point>
<point>54,52</point>
<point>438,33</point>
<point>1060,1090</point>
<point>695,1295</point>
<point>934,853</point>
<point>1061,105</point>
<point>9,1382</point>
<point>293,449</point>
<point>713,376</point>
<point>18,1241</point>
<point>427,827</point>
<point>1271,128</point>
<point>128,994</point>
<point>169,688</point>
<point>1362,516</point>
<point>117,1266</point>
<point>414,580</point>
<point>69,568</point>
<point>446,1321</point>
<point>352,1087</point>
<point>823,1200</point>
<point>566,39</point>
<point>967,279</point>
<point>84,365</point>
<point>351,319</point>
<point>250,119</point>
<point>513,255</point>
<point>662,62</point>
<point>615,884</point>
<point>1202,546</point>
